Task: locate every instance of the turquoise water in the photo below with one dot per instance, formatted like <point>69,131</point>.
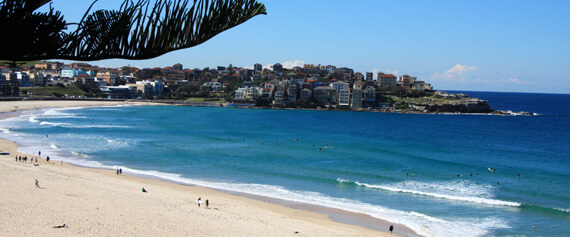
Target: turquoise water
<point>402,168</point>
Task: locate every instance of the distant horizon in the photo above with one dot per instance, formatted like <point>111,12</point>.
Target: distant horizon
<point>511,46</point>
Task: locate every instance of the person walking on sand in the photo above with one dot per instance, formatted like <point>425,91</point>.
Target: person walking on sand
<point>37,184</point>
<point>391,229</point>
<point>199,201</point>
<point>207,203</point>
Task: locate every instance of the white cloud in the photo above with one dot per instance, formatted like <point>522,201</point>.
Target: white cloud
<point>292,64</point>
<point>287,64</point>
<point>456,73</point>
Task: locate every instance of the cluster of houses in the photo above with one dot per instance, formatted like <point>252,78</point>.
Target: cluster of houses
<point>324,85</point>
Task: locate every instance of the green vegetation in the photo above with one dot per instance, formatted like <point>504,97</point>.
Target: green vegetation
<point>23,64</point>
<point>198,99</point>
<point>58,91</point>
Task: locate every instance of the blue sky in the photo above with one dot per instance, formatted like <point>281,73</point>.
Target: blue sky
<point>479,45</point>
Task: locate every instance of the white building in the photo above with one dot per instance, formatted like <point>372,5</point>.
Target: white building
<point>240,93</point>
<point>344,98</point>
<point>252,93</point>
<point>339,85</point>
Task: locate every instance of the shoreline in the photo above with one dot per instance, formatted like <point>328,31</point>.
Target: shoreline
<point>314,217</point>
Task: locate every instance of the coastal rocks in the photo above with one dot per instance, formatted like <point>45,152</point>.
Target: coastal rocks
<point>466,106</point>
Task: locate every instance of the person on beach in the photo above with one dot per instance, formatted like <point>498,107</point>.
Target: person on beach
<point>120,170</point>
<point>391,229</point>
<point>39,153</point>
<point>47,159</point>
<point>36,160</point>
<point>143,190</point>
<point>60,226</point>
<point>37,184</point>
<point>117,171</point>
<point>199,201</point>
<point>207,203</point>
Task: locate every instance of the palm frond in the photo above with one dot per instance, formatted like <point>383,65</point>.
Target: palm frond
<point>138,30</point>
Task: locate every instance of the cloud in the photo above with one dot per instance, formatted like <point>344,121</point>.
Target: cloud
<point>287,64</point>
<point>292,64</point>
<point>456,73</point>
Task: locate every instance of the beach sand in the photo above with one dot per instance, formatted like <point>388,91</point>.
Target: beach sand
<point>94,202</point>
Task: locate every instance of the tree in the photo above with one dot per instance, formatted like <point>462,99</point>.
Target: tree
<point>136,31</point>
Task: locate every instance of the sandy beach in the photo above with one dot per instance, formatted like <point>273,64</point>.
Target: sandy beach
<point>93,202</point>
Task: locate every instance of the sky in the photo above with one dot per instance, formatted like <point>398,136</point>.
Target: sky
<point>473,45</point>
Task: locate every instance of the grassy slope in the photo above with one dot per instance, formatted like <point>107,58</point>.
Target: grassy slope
<point>49,91</point>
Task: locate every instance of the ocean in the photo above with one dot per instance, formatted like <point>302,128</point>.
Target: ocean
<point>429,172</point>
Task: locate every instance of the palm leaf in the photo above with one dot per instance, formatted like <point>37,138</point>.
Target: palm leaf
<point>138,30</point>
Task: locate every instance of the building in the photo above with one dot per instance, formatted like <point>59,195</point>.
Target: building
<point>119,92</point>
<point>369,76</point>
<point>253,93</point>
<point>356,96</point>
<point>292,92</point>
<point>325,95</point>
<point>387,81</point>
<point>257,67</point>
<point>278,97</point>
<point>339,85</point>
<point>370,94</point>
<point>71,73</point>
<point>109,77</point>
<point>306,95</point>
<point>213,86</point>
<point>240,94</point>
<point>406,81</point>
<point>177,66</point>
<point>419,86</point>
<point>344,98</point>
<point>23,79</point>
<point>266,93</point>
<point>277,67</point>
<point>46,66</point>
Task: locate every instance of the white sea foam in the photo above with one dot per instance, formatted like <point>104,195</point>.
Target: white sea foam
<point>53,146</point>
<point>68,125</point>
<point>562,209</point>
<point>421,223</point>
<point>459,191</point>
<point>33,119</point>
<point>5,130</point>
<point>77,154</point>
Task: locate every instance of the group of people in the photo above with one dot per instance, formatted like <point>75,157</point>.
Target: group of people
<point>32,159</point>
<point>25,159</point>
<point>119,170</point>
<point>199,201</point>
